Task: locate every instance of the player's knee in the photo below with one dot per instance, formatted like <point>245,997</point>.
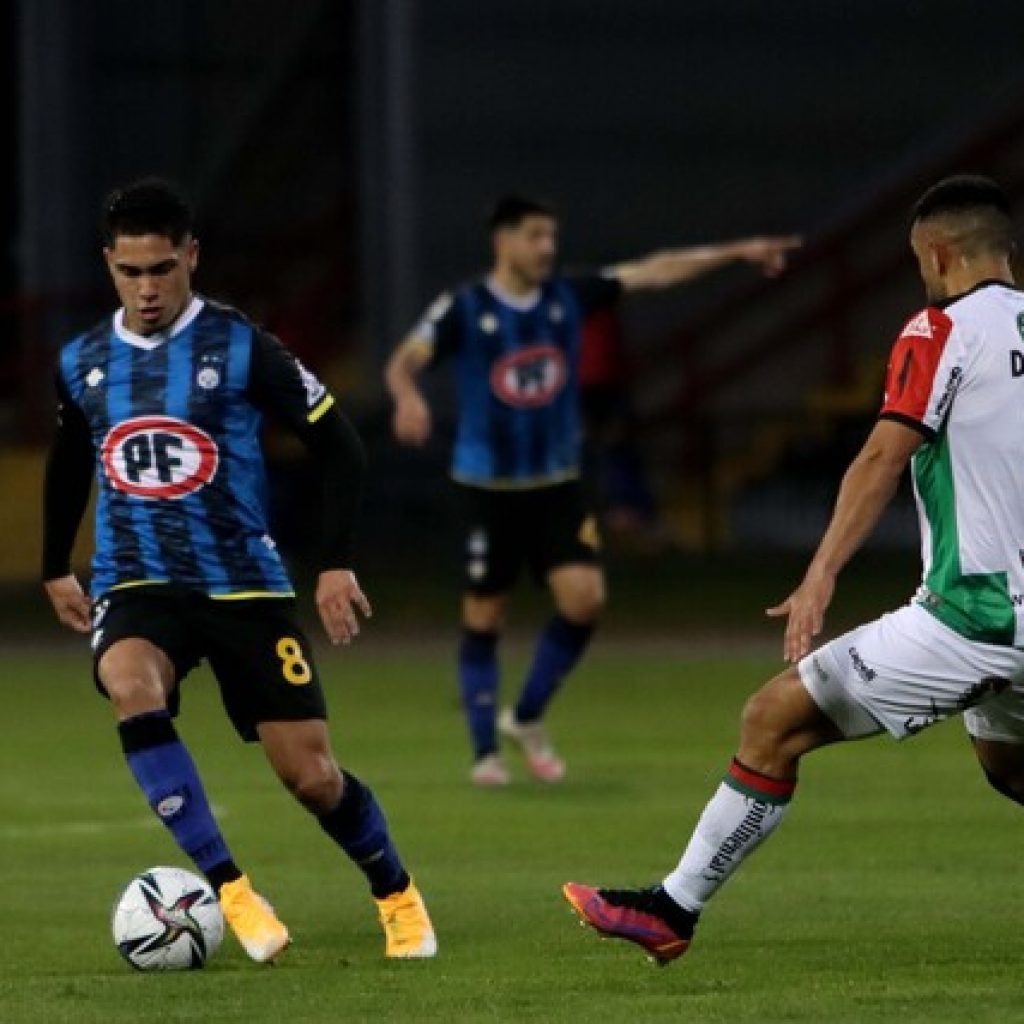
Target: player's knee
<point>583,602</point>
<point>762,730</point>
<point>315,783</point>
<point>132,692</point>
<point>483,615</point>
<point>136,677</point>
<point>1011,786</point>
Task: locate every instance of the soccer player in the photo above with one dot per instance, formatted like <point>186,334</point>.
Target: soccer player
<point>163,402</point>
<point>515,339</point>
<point>954,411</point>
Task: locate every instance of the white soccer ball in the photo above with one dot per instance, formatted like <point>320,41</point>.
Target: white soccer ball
<point>167,919</point>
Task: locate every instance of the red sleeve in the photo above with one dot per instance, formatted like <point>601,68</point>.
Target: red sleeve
<point>910,378</point>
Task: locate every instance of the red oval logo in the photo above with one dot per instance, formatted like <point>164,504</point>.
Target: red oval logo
<point>531,377</point>
<point>158,457</point>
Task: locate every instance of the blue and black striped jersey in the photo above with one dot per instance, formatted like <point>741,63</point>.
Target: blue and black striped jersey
<point>175,422</point>
<point>518,423</point>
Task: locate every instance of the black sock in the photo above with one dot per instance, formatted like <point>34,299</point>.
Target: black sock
<point>681,920</point>
<point>359,827</point>
<point>221,874</point>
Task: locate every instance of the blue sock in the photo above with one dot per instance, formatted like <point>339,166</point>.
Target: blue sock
<point>359,827</point>
<point>167,776</point>
<point>558,650</point>
<point>478,680</point>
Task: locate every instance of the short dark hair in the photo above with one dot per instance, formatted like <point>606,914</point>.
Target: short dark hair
<point>979,208</point>
<point>958,193</point>
<point>148,206</point>
<point>511,210</point>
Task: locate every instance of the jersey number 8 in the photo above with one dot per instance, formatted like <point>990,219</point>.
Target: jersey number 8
<point>294,666</point>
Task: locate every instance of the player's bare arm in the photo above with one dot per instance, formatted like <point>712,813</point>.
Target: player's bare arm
<point>677,266</point>
<point>338,598</point>
<point>411,422</point>
<point>867,488</point>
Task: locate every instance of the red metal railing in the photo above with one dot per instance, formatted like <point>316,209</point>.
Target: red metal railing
<point>816,320</point>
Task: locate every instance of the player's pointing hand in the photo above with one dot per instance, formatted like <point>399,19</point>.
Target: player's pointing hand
<point>337,598</point>
<point>770,253</point>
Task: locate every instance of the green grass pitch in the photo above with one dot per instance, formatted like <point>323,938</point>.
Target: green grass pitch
<point>890,893</point>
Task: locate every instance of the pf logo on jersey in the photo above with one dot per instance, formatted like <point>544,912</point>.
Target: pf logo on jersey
<point>158,457</point>
<point>530,377</point>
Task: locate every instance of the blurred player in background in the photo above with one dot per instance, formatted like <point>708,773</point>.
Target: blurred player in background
<point>515,338</point>
<point>163,403</point>
<point>954,411</point>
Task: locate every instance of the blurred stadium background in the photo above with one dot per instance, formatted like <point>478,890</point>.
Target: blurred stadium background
<point>342,155</point>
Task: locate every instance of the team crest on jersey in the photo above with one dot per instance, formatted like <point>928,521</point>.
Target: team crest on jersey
<point>556,313</point>
<point>158,457</point>
<point>488,323</point>
<point>919,326</point>
<point>208,378</point>
<point>530,377</point>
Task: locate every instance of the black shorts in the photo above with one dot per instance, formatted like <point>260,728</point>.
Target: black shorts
<point>543,528</point>
<point>259,655</point>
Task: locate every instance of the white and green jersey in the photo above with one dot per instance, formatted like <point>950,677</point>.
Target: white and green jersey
<point>956,374</point>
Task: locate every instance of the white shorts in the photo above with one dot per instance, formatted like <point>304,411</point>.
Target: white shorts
<point>906,671</point>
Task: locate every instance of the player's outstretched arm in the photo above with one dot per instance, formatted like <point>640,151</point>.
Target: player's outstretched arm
<point>411,421</point>
<point>867,487</point>
<point>677,266</point>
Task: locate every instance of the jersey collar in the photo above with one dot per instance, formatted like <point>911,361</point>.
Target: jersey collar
<point>152,341</point>
<point>988,282</point>
<point>520,303</point>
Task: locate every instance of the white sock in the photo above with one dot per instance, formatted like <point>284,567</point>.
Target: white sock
<point>734,823</point>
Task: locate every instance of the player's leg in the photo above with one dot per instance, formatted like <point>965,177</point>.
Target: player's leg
<point>140,654</point>
<point>996,728</point>
<point>347,810</point>
<point>579,594</point>
<point>264,665</point>
<point>483,618</point>
<point>901,673</point>
<point>137,677</point>
<point>563,552</point>
<point>146,643</point>
<point>1003,765</point>
<point>779,725</point>
<point>493,554</point>
<point>140,676</point>
<point>300,754</point>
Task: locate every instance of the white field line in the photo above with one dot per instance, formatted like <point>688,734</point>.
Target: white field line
<point>58,829</point>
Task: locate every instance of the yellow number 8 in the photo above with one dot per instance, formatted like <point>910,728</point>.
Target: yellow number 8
<point>294,666</point>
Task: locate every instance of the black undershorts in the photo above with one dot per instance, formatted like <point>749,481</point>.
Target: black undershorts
<point>542,528</point>
<point>260,656</point>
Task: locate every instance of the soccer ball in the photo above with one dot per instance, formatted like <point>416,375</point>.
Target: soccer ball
<point>167,919</point>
